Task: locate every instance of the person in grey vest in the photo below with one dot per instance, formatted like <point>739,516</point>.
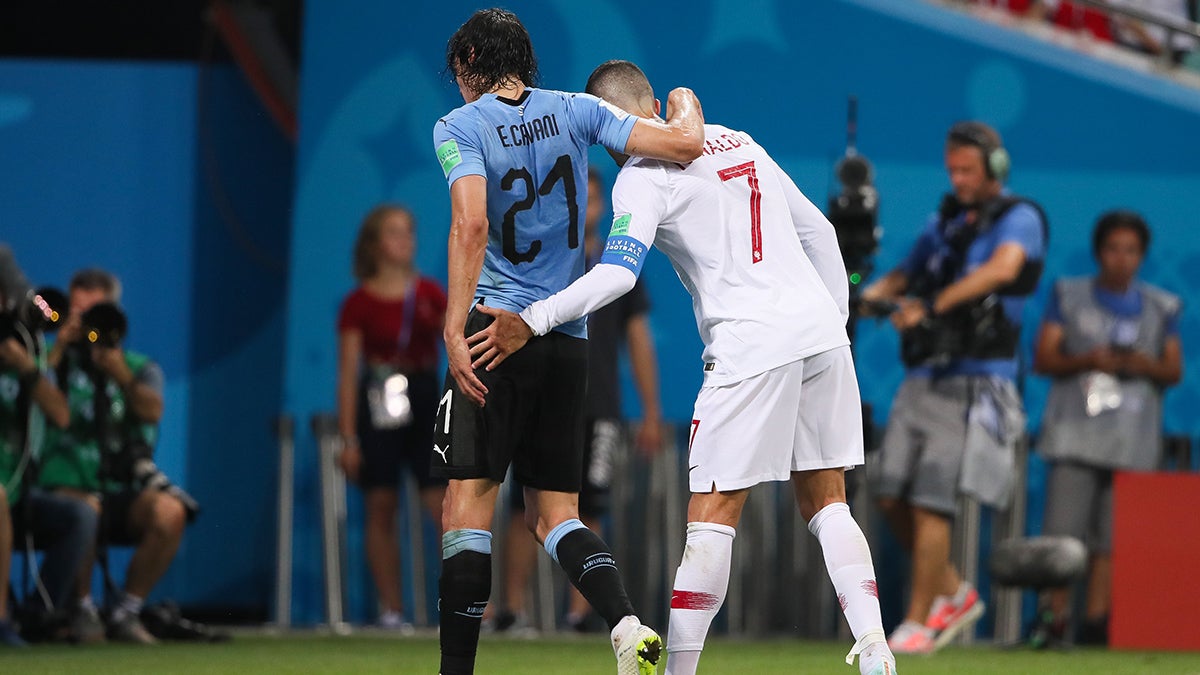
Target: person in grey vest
<point>1111,343</point>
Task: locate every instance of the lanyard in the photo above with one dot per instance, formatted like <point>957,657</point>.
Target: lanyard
<point>410,309</point>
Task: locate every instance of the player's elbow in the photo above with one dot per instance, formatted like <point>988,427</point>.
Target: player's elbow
<point>688,145</point>
<point>616,280</point>
<point>626,281</point>
<point>471,228</point>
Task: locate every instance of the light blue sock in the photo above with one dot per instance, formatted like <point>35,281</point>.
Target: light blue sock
<point>561,530</point>
<point>457,541</point>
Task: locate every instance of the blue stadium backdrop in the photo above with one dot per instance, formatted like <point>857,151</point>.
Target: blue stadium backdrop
<point>129,185</point>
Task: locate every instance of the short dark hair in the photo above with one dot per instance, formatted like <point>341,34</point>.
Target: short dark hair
<point>490,49</point>
<point>96,279</point>
<point>1118,219</point>
<point>618,81</point>
<point>972,133</point>
<point>366,245</point>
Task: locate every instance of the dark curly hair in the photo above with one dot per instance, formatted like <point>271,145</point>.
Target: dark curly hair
<point>491,49</point>
<point>1120,219</point>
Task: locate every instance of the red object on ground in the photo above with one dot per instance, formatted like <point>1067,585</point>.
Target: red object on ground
<point>1156,553</point>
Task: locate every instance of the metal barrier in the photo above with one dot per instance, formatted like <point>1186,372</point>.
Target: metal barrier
<point>646,530</point>
<point>965,552</point>
<point>285,431</point>
<point>333,518</point>
<point>333,529</point>
<point>416,550</point>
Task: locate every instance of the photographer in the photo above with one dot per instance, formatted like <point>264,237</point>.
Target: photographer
<point>1111,343</point>
<point>957,417</point>
<point>103,457</point>
<point>61,527</point>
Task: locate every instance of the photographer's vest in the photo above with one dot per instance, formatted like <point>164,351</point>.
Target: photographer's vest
<point>1128,436</point>
<point>16,412</point>
<point>975,330</point>
<point>71,457</point>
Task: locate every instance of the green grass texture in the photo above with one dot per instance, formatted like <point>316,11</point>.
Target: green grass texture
<point>574,655</point>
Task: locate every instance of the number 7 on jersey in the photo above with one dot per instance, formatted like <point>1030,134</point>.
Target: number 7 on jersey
<point>747,170</point>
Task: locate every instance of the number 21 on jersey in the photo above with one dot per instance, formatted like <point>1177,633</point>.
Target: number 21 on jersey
<point>747,169</point>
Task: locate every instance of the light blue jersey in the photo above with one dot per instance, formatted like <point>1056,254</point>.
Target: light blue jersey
<point>533,153</point>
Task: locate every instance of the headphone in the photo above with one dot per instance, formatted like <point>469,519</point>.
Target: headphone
<point>996,161</point>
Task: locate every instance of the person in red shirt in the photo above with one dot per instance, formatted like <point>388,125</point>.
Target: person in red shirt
<point>389,328</point>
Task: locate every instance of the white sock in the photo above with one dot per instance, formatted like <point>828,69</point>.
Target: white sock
<point>848,560</point>
<point>87,603</point>
<point>960,596</point>
<point>682,663</point>
<point>699,591</point>
<point>129,604</point>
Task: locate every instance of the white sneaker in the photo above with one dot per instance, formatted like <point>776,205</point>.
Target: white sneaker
<point>911,638</point>
<point>394,621</point>
<point>638,648</point>
<point>874,655</point>
<point>877,659</point>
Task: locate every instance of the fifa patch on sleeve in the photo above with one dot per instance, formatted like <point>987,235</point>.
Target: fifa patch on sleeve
<point>624,251</point>
<point>449,156</point>
<point>620,225</point>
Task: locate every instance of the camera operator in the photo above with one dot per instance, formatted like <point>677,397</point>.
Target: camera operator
<point>103,457</point>
<point>957,417</point>
<point>61,527</point>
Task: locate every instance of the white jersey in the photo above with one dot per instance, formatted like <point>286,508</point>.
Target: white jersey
<point>761,262</point>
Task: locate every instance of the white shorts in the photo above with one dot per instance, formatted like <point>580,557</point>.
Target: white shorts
<point>802,416</point>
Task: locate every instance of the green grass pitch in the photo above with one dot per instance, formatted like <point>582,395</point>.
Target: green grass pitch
<point>582,655</point>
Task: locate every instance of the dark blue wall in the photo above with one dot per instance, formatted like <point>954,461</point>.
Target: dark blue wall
<point>173,178</point>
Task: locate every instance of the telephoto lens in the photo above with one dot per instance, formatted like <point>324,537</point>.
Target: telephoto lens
<point>104,325</point>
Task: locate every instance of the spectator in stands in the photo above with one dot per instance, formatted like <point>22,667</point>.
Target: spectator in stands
<point>1149,37</point>
<point>625,320</point>
<point>1072,16</point>
<point>104,455</point>
<point>957,418</point>
<point>387,388</point>
<point>1111,344</point>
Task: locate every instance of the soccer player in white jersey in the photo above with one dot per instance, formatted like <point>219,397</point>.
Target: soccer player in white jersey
<point>780,399</point>
<point>515,159</point>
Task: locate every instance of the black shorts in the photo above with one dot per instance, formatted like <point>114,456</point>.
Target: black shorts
<point>384,451</point>
<point>605,439</point>
<point>533,418</point>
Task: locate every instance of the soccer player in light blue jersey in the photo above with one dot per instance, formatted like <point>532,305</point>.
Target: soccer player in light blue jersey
<point>515,157</point>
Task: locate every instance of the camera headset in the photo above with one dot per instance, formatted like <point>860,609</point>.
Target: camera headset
<point>996,161</point>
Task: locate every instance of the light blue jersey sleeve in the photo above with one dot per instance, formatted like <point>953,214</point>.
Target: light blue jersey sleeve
<point>458,149</point>
<point>599,121</point>
<point>1023,226</point>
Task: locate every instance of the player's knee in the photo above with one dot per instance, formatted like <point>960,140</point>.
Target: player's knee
<point>531,521</point>
<point>169,516</point>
